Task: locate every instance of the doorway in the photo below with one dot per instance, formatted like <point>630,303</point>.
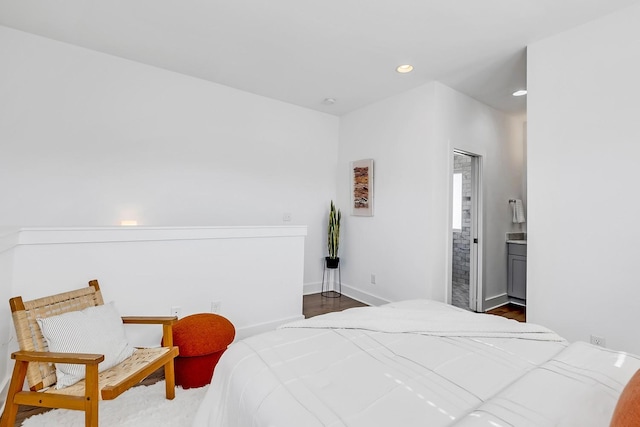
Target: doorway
<point>466,277</point>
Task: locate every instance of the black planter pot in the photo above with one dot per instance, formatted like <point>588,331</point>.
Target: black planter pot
<point>332,262</point>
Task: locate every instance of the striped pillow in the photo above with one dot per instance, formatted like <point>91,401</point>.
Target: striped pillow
<point>93,330</point>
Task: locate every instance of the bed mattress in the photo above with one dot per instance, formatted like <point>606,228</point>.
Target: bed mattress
<point>416,363</point>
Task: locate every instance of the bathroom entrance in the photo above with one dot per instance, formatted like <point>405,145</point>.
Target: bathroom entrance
<point>466,283</point>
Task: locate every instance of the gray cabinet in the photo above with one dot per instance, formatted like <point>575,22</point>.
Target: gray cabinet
<point>517,271</point>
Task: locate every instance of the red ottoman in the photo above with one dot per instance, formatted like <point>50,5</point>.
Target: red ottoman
<point>202,338</point>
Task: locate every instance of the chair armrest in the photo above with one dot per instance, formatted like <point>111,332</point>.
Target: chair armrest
<point>52,357</point>
<point>150,320</point>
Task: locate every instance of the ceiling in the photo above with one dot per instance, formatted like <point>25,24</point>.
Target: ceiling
<point>303,51</point>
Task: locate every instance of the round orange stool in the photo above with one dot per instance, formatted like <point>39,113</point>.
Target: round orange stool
<point>202,338</point>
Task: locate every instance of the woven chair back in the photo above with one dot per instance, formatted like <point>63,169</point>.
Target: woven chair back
<point>29,335</point>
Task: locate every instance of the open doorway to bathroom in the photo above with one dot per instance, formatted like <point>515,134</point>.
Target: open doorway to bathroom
<point>466,283</point>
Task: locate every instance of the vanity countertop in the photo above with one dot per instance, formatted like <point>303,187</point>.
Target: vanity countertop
<point>517,238</point>
<point>517,242</point>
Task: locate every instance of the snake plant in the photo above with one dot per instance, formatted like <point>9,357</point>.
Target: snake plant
<point>333,232</point>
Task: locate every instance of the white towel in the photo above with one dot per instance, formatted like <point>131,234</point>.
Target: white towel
<point>518,211</point>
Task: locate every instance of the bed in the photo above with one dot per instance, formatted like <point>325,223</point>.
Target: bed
<point>413,363</point>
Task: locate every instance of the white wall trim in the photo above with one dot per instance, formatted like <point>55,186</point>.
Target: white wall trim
<point>42,236</point>
<point>247,331</point>
<point>496,301</point>
<point>362,296</point>
<point>312,288</point>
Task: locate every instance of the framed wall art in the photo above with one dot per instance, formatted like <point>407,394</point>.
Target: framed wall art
<point>362,187</point>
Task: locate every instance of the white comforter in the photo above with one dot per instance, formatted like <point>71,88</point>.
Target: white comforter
<point>401,365</point>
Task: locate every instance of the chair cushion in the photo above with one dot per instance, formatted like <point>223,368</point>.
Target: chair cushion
<point>96,330</point>
<point>113,377</point>
<point>203,333</point>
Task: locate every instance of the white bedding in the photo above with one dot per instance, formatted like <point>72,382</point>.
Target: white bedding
<point>400,365</point>
<point>444,322</point>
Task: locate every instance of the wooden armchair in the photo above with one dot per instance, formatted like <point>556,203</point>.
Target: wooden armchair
<point>37,364</point>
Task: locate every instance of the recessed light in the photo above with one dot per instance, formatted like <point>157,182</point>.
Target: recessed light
<point>329,101</point>
<point>406,68</point>
<point>520,92</point>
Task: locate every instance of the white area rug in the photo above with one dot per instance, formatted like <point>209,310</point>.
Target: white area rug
<point>138,407</point>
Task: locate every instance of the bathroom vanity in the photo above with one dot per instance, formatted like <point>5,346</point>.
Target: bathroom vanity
<point>517,270</point>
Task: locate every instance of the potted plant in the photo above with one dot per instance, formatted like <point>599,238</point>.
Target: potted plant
<point>333,237</point>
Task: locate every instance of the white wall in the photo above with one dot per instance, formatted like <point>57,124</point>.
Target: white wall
<point>89,139</point>
<point>407,242</point>
<point>397,133</point>
<point>583,156</point>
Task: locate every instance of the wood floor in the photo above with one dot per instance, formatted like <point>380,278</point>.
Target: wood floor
<point>312,305</point>
<point>315,304</point>
<point>511,311</point>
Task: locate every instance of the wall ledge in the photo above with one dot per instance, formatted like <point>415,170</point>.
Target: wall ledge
<point>65,235</point>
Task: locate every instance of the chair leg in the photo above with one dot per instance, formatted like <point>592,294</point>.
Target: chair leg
<point>169,371</point>
<point>91,396</point>
<point>91,415</point>
<point>170,380</point>
<point>17,380</point>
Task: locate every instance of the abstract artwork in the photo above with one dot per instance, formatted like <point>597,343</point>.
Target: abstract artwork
<point>362,187</point>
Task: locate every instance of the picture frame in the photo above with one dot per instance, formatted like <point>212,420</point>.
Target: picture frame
<point>361,175</point>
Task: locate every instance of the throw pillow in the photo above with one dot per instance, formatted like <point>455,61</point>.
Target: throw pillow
<point>96,330</point>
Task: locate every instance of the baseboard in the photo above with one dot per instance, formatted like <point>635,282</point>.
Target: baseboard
<point>248,331</point>
<point>351,292</point>
<point>362,296</point>
<point>496,301</point>
<point>311,288</point>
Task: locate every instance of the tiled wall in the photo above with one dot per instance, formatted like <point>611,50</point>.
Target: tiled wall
<point>462,239</point>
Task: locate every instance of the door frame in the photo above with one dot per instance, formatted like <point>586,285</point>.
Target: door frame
<point>476,288</point>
